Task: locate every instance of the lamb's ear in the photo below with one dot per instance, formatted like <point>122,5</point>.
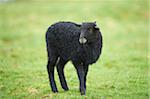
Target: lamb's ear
<point>78,25</point>
<point>96,27</point>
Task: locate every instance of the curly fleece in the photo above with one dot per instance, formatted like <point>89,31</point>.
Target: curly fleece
<point>63,37</point>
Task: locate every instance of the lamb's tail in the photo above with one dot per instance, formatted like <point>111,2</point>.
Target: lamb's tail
<point>58,59</point>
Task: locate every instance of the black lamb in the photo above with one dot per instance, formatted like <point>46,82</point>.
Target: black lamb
<point>82,44</point>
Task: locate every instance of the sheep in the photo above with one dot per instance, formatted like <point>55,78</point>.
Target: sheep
<point>68,41</point>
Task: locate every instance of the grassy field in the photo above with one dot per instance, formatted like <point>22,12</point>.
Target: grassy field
<point>120,73</point>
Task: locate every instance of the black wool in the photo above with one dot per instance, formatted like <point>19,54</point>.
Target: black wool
<point>64,38</point>
<point>82,44</point>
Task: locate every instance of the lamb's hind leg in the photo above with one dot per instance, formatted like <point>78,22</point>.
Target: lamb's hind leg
<point>52,58</point>
<point>60,70</point>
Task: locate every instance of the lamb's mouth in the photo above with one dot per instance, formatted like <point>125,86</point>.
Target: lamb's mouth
<point>82,40</point>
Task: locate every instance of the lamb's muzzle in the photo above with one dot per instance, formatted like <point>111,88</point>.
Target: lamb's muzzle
<point>82,40</point>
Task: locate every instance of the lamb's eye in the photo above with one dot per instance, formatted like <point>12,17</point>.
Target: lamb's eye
<point>90,29</point>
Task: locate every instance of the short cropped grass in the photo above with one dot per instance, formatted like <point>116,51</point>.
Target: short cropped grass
<point>120,73</point>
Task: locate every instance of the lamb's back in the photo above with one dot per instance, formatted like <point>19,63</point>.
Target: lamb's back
<point>63,32</point>
<point>64,36</point>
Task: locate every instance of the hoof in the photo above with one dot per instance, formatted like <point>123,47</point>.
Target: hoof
<point>82,92</point>
<point>66,88</point>
<point>55,91</point>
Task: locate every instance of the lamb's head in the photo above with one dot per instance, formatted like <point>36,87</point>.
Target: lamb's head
<point>89,32</point>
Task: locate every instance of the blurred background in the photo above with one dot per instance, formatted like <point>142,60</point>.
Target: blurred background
<point>120,73</point>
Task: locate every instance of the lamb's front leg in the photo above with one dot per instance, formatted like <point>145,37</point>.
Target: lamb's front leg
<point>85,75</point>
<point>80,72</point>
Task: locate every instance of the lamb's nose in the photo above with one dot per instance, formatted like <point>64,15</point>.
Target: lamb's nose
<point>82,40</point>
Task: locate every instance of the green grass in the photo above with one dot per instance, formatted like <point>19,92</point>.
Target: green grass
<point>120,73</point>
